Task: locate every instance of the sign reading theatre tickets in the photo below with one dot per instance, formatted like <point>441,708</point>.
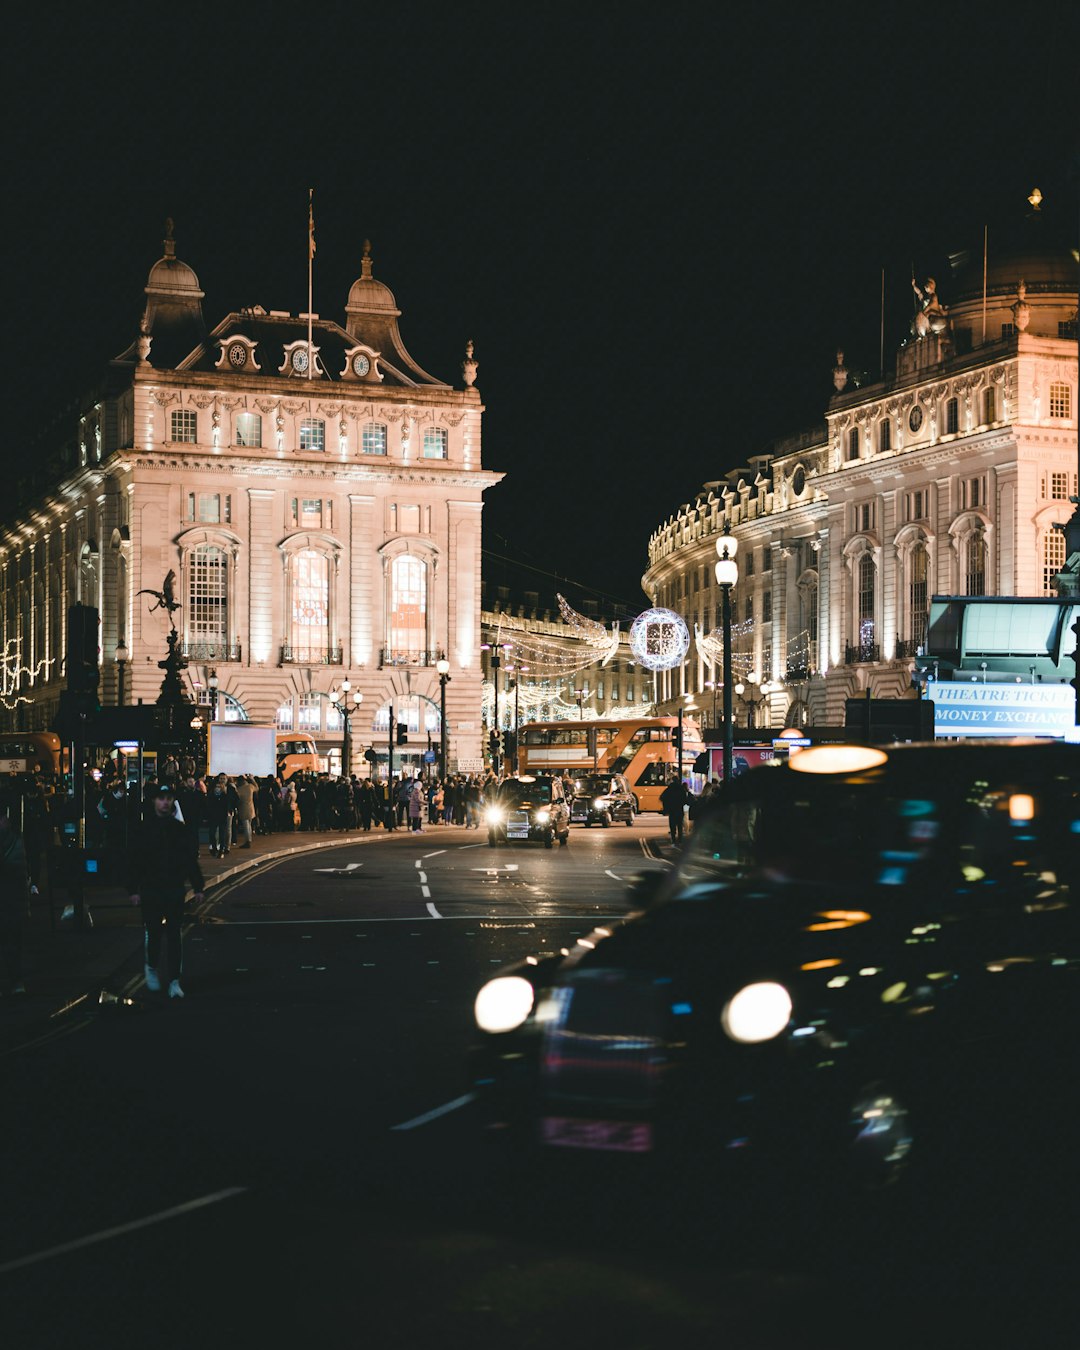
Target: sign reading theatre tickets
<point>976,709</point>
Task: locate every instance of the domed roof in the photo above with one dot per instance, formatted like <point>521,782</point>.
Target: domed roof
<point>368,296</point>
<point>1034,251</point>
<point>169,277</point>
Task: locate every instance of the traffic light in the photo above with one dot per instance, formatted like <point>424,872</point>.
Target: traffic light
<point>510,744</point>
<point>494,747</point>
<point>83,671</point>
<point>402,733</point>
<point>676,741</point>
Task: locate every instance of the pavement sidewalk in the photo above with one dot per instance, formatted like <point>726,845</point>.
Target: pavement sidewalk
<point>67,969</point>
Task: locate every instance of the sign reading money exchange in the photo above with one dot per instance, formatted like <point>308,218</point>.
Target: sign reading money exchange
<point>977,709</point>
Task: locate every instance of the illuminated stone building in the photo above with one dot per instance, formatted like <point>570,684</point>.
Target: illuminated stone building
<point>316,494</point>
<point>945,477</point>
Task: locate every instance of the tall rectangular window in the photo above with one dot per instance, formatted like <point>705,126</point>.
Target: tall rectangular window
<point>283,718</point>
<point>1060,400</point>
<point>989,405</point>
<point>885,436</point>
<point>853,443</point>
<point>975,565</point>
<point>952,417</point>
<point>1059,486</point>
<point>917,595</point>
<point>183,426</point>
<point>766,606</point>
<point>208,594</point>
<point>310,712</point>
<point>249,430</point>
<point>435,443</point>
<point>408,608</point>
<point>311,513</point>
<point>1053,560</point>
<point>867,577</point>
<point>312,434</point>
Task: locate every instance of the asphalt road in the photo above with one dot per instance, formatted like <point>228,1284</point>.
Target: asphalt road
<point>290,1157</point>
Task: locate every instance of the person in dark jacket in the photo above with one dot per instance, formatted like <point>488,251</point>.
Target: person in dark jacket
<point>163,860</point>
<point>674,798</point>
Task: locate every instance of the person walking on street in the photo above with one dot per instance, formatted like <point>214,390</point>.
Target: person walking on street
<point>673,801</point>
<point>245,789</point>
<point>221,802</point>
<point>163,861</point>
<point>14,898</point>
<point>416,806</point>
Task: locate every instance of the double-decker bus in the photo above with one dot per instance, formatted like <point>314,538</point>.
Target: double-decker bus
<point>27,752</point>
<point>642,749</point>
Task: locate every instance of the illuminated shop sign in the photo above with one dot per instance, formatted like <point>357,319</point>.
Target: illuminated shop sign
<point>977,709</point>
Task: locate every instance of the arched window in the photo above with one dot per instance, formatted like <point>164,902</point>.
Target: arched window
<point>975,564</point>
<point>1053,560</point>
<point>918,597</point>
<point>309,619</point>
<point>885,436</point>
<point>407,636</point>
<point>208,602</point>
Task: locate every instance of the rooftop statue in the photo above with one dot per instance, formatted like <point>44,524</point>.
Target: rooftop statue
<point>931,315</point>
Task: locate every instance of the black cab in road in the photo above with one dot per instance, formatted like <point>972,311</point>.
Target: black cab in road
<point>863,954</point>
<point>600,799</point>
<point>529,808</point>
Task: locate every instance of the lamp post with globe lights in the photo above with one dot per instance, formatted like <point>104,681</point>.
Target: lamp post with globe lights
<point>727,574</point>
<point>346,708</point>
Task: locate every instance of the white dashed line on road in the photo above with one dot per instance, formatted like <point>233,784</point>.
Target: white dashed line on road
<point>433,911</point>
<point>443,1110</point>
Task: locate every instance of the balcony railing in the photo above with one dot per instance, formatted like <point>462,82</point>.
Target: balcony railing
<point>310,656</point>
<point>395,656</point>
<point>797,670</point>
<point>208,650</point>
<point>865,651</point>
<point>907,647</point>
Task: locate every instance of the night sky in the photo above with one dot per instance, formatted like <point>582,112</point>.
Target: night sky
<point>657,226</point>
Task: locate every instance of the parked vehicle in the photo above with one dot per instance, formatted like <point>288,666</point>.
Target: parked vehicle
<point>600,798</point>
<point>863,952</point>
<point>529,808</point>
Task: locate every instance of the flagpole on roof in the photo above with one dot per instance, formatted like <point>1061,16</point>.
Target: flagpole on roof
<point>311,257</point>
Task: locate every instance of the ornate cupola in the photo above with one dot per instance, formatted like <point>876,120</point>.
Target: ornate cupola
<point>371,316</point>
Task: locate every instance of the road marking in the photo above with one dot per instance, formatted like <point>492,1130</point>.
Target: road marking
<point>106,1233</point>
<point>345,871</point>
<point>414,918</point>
<point>510,867</point>
<point>443,1110</point>
<point>425,891</point>
<point>419,862</point>
<point>433,855</point>
<point>423,878</point>
<point>433,911</point>
<point>609,873</point>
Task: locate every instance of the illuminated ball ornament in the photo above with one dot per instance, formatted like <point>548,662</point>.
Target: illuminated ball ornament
<point>659,639</point>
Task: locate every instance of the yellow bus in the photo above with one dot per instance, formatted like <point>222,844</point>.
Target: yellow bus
<point>640,748</point>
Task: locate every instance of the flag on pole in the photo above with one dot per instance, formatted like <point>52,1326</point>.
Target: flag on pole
<point>311,223</point>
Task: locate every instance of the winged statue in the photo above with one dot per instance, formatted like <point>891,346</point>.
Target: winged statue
<point>166,597</point>
<point>593,633</point>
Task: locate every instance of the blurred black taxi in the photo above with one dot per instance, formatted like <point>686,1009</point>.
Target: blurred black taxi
<point>861,951</point>
<point>528,808</point>
<point>600,799</point>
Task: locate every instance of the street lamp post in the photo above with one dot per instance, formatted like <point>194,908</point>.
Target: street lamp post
<point>495,661</point>
<point>213,683</point>
<point>443,667</point>
<point>727,574</point>
<point>342,706</point>
<point>121,662</point>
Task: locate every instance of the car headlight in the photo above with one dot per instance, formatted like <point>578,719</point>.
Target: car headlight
<point>542,817</point>
<point>493,815</point>
<point>758,1012</point>
<point>503,1003</point>
<point>600,803</point>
